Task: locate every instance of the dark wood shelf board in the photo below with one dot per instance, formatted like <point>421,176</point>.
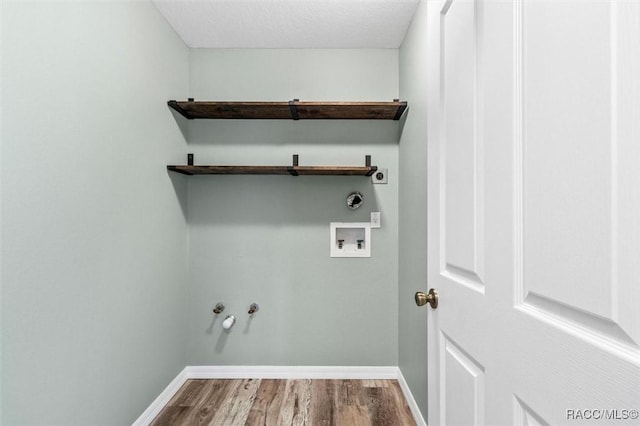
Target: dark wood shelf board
<point>294,110</point>
<point>351,110</point>
<point>335,170</point>
<point>275,170</point>
<point>231,170</point>
<point>232,110</point>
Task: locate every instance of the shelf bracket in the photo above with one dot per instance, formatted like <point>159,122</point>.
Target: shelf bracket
<point>294,109</point>
<point>292,169</point>
<point>367,163</point>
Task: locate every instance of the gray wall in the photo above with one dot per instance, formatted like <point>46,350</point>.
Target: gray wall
<point>93,227</point>
<point>412,336</point>
<point>266,239</point>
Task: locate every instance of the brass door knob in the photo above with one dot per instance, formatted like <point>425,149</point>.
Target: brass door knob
<point>430,298</point>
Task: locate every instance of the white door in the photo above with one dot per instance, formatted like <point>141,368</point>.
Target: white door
<point>534,212</point>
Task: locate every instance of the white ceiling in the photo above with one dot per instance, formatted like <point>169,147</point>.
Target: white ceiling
<point>326,24</point>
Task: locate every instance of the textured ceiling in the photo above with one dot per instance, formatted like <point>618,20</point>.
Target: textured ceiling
<point>327,24</point>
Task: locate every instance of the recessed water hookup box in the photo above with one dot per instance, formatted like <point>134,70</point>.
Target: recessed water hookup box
<point>350,239</point>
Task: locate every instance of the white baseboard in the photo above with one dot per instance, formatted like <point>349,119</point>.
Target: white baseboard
<point>287,372</point>
<point>163,399</point>
<point>277,372</point>
<point>413,405</point>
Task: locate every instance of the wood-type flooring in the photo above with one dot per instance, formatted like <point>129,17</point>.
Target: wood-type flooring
<point>267,402</point>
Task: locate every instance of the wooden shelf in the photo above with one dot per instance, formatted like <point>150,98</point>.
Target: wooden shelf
<point>229,170</point>
<point>294,170</point>
<point>292,110</point>
<point>275,170</point>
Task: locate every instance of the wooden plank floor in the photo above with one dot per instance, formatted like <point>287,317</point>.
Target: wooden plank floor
<point>268,402</point>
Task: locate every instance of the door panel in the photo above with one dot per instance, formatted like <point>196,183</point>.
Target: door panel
<point>574,170</point>
<point>564,112</point>
<point>533,206</point>
<point>462,225</point>
<point>462,386</point>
